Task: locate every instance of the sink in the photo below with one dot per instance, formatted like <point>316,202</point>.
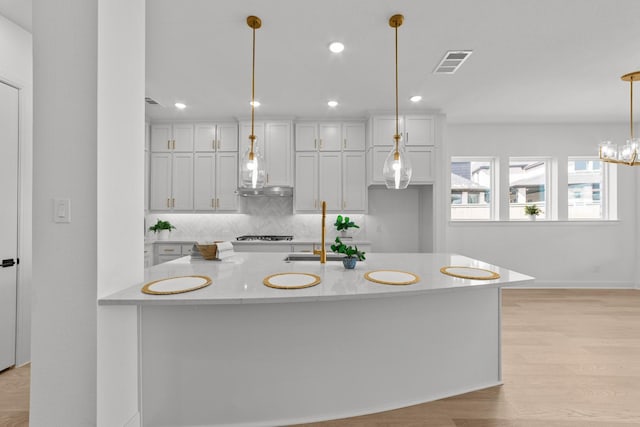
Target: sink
<point>312,257</point>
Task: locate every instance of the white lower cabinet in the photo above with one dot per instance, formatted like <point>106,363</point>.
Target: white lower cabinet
<point>422,165</point>
<point>215,181</point>
<point>171,183</point>
<point>148,255</point>
<point>169,251</point>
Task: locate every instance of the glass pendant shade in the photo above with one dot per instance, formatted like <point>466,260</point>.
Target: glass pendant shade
<point>608,151</point>
<point>252,167</point>
<point>397,169</point>
<point>629,151</point>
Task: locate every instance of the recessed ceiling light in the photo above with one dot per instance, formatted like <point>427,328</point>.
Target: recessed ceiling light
<point>415,98</point>
<point>180,105</point>
<point>336,47</point>
<point>255,103</point>
<point>332,104</point>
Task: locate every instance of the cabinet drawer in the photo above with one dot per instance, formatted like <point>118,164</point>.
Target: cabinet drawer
<point>187,249</point>
<point>169,249</point>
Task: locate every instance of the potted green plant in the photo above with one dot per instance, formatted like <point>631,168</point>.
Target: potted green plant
<point>343,224</point>
<point>162,229</point>
<point>532,211</point>
<point>351,254</point>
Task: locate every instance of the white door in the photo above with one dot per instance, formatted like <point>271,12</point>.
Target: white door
<point>205,137</point>
<point>330,136</point>
<point>419,130</point>
<point>9,220</point>
<point>227,137</point>
<point>306,137</point>
<point>353,136</point>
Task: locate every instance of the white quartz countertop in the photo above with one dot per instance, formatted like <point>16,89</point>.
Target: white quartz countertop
<point>238,279</point>
<point>304,241</point>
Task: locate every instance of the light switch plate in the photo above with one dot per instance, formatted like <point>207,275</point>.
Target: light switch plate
<point>62,210</point>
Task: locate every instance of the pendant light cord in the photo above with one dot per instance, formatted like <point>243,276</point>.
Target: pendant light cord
<point>631,106</point>
<point>253,86</point>
<point>397,135</point>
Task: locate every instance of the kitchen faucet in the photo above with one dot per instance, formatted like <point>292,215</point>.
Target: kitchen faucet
<point>323,250</point>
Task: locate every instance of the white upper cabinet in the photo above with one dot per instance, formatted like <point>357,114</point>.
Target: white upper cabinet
<point>171,187</point>
<point>216,137</point>
<point>415,130</point>
<point>306,136</point>
<point>278,154</point>
<point>353,136</point>
<point>330,180</point>
<point>167,137</point>
<point>354,185</point>
<point>306,185</point>
<point>215,181</point>
<point>330,136</point>
<point>422,164</point>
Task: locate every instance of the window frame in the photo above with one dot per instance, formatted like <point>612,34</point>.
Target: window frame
<point>493,183</point>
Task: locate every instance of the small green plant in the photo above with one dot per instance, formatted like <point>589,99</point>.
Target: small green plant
<point>532,210</point>
<point>161,225</point>
<point>349,251</point>
<point>344,223</point>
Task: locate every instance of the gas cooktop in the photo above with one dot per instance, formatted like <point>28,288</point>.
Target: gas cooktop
<point>269,238</point>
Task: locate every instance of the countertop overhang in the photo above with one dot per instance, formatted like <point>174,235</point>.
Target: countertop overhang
<point>238,279</point>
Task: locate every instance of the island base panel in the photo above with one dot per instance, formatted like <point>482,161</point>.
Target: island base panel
<point>274,364</point>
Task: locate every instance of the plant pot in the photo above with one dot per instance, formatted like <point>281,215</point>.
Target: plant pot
<point>345,234</point>
<point>532,217</point>
<point>163,234</point>
<point>349,263</point>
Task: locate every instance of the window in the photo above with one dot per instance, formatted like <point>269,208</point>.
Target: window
<point>585,179</point>
<point>471,183</point>
<point>528,181</point>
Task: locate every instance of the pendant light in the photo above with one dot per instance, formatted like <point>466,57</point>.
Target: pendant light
<point>397,167</point>
<point>252,169</point>
<point>630,153</point>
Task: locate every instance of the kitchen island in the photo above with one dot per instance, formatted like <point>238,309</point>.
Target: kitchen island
<point>241,353</point>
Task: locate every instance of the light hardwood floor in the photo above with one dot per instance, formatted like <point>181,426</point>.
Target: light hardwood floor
<point>571,358</point>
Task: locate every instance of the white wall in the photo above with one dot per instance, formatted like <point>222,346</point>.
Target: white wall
<point>561,253</point>
<point>16,68</point>
<point>88,147</point>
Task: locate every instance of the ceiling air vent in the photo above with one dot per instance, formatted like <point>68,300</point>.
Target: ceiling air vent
<point>151,101</point>
<point>451,61</point>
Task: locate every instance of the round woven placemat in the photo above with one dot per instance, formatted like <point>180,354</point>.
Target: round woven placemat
<point>492,276</point>
<point>267,281</point>
<point>147,288</point>
<point>369,276</point>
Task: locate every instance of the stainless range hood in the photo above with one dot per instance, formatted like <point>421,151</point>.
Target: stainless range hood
<point>275,191</point>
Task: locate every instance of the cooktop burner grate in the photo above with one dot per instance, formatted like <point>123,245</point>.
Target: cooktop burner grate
<point>269,238</point>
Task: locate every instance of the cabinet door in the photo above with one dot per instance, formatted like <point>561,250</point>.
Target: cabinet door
<point>278,154</point>
<point>354,186</point>
<point>161,137</point>
<point>245,131</point>
<point>182,183</point>
<point>147,175</point>
<point>330,137</point>
<point>205,137</point>
<point>204,178</point>
<point>384,127</point>
<point>226,181</point>
<point>330,180</point>
<point>353,136</point>
<point>422,165</point>
<point>227,136</point>
<point>183,137</point>
<point>306,185</point>
<point>160,182</point>
<point>419,130</point>
<point>306,137</point>
<point>378,156</point>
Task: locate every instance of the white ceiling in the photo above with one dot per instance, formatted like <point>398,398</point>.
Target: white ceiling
<point>533,61</point>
